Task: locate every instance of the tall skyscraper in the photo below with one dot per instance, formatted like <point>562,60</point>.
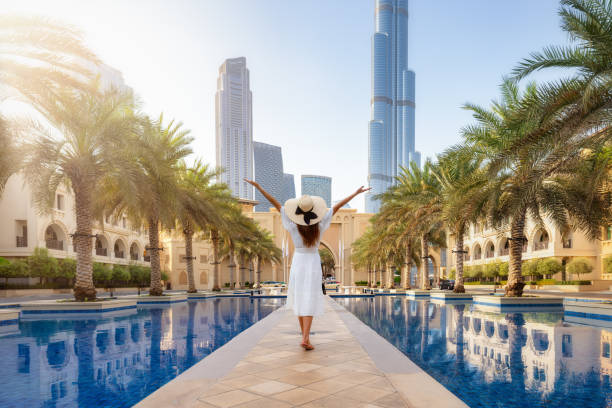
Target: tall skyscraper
<point>391,127</point>
<point>317,185</point>
<point>268,173</point>
<point>288,187</point>
<point>234,126</point>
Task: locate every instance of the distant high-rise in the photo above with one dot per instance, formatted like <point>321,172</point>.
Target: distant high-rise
<point>234,126</point>
<point>391,128</point>
<point>288,187</point>
<point>268,161</point>
<point>317,185</point>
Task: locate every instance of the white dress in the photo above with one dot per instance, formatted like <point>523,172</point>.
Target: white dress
<point>305,295</point>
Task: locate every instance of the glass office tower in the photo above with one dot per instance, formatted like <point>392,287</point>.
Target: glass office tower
<point>268,173</point>
<point>234,126</point>
<point>288,187</point>
<point>318,186</point>
<point>391,128</point>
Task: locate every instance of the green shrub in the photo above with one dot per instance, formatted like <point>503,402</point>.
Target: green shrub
<point>361,283</point>
<point>579,266</point>
<point>41,265</point>
<point>491,270</point>
<point>164,276</point>
<point>226,284</point>
<point>472,283</point>
<point>397,279</point>
<point>549,267</point>
<point>503,269</point>
<point>67,268</point>
<point>15,269</point>
<point>102,274</point>
<point>576,282</point>
<point>547,282</point>
<point>452,274</point>
<point>530,268</point>
<point>120,276</point>
<point>140,276</point>
<point>608,264</point>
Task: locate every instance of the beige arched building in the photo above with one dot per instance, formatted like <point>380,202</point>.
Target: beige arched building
<point>347,226</point>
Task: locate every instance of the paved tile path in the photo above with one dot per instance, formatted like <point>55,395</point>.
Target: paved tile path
<point>276,372</point>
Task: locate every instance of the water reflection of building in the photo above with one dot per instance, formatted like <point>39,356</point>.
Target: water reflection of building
<point>548,347</point>
<point>62,363</point>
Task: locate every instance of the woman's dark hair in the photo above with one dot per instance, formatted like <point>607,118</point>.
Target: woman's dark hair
<point>309,233</point>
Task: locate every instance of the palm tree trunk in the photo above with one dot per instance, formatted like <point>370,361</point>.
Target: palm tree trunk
<point>425,263</point>
<point>214,237</point>
<point>258,273</point>
<point>251,277</point>
<point>156,286</point>
<point>383,276</point>
<point>83,287</point>
<point>232,267</point>
<point>406,269</point>
<point>188,255</point>
<point>459,288</point>
<point>241,269</point>
<point>515,277</point>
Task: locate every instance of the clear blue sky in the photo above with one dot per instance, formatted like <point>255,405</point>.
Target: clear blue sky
<point>310,66</point>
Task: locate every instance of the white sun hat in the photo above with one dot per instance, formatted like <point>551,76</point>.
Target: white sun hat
<point>306,210</point>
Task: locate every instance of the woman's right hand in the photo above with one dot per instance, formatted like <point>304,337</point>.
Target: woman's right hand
<point>251,182</point>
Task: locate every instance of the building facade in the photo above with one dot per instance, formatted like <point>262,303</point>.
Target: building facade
<point>268,160</point>
<point>317,186</point>
<point>485,245</point>
<point>234,126</point>
<point>288,187</point>
<point>391,138</point>
<point>26,229</point>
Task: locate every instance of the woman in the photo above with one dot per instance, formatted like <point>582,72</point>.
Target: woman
<point>306,218</point>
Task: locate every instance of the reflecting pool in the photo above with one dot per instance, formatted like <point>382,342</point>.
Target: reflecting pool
<point>116,361</point>
<point>497,359</point>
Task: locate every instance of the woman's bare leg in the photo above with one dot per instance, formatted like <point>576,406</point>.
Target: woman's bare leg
<point>306,329</point>
<point>301,319</point>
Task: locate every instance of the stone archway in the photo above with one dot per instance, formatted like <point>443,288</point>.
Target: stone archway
<point>328,265</point>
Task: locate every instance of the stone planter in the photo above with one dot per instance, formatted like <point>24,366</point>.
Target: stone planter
<point>519,304</point>
<point>53,309</point>
<point>156,300</point>
<point>594,313</point>
<point>417,293</point>
<point>450,296</point>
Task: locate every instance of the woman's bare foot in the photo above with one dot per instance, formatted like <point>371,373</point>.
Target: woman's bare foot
<point>307,346</point>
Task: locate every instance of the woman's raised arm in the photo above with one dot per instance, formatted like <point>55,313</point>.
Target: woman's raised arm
<point>271,199</point>
<point>349,198</point>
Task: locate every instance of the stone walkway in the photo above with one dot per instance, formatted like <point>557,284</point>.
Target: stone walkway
<point>276,372</point>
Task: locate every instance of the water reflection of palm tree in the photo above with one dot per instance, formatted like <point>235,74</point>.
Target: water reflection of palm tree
<point>189,354</point>
<point>156,336</point>
<point>84,349</point>
<point>516,342</point>
<point>459,337</point>
<point>424,327</point>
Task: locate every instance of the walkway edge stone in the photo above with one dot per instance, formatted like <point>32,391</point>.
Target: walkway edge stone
<point>185,388</point>
<point>417,387</point>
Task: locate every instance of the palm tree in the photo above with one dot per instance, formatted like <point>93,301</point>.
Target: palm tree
<point>237,228</point>
<point>150,192</point>
<point>459,173</point>
<point>202,204</point>
<point>41,58</point>
<point>578,107</point>
<point>266,252</point>
<point>532,180</point>
<point>88,150</point>
<point>9,157</point>
<point>418,200</point>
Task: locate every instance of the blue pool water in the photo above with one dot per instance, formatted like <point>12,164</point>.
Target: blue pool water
<point>497,360</point>
<point>116,361</point>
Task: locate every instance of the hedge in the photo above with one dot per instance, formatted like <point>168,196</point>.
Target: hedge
<point>59,273</point>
